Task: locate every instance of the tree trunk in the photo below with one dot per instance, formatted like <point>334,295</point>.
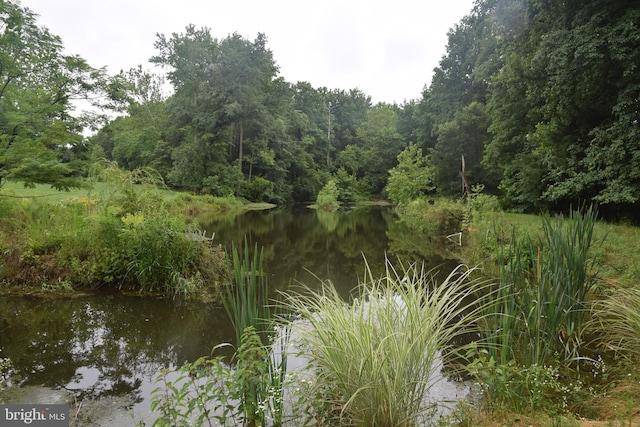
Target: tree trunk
<point>240,142</point>
<point>465,182</point>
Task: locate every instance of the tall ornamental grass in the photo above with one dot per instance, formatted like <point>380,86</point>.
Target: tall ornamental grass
<point>374,361</point>
<point>617,322</point>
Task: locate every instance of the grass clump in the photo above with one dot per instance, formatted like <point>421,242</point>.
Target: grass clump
<point>374,361</point>
<point>617,322</point>
<point>535,320</point>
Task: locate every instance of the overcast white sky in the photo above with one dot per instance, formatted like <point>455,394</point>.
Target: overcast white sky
<point>386,49</point>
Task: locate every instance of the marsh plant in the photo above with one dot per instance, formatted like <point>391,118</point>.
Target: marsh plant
<point>249,389</point>
<point>535,318</point>
<point>373,362</point>
<point>246,298</point>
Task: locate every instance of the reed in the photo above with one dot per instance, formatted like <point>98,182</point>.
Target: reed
<point>544,286</point>
<point>246,298</point>
<point>374,361</point>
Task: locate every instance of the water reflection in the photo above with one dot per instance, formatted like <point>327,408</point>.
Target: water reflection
<point>104,345</point>
<point>311,245</point>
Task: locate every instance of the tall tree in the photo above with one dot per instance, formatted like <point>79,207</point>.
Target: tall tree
<point>221,90</point>
<point>462,137</point>
<point>37,86</point>
<point>563,103</point>
<point>377,147</point>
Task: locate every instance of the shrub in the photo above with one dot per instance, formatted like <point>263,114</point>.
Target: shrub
<point>412,176</point>
<point>259,190</point>
<point>436,218</point>
<point>328,196</point>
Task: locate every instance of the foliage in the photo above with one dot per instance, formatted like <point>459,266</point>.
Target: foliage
<point>134,191</point>
<point>523,389</point>
<point>40,141</point>
<point>259,190</point>
<point>250,393</point>
<point>125,238</point>
<point>535,317</point>
<point>247,293</point>
<point>159,256</point>
<point>211,392</point>
<point>328,197</point>
<point>373,361</point>
<point>412,176</point>
<point>435,218</point>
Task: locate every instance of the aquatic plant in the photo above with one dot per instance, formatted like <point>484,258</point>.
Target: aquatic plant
<point>246,298</point>
<point>535,317</point>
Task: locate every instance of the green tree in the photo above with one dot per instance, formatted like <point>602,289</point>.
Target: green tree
<point>38,133</point>
<point>464,136</point>
<point>223,105</point>
<point>462,76</point>
<point>563,103</point>
<point>380,143</point>
<point>139,139</point>
<point>412,176</point>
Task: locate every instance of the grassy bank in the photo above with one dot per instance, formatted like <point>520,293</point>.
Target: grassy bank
<point>562,324</point>
<point>121,231</point>
<point>615,250</point>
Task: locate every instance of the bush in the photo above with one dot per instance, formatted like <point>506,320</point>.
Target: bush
<point>328,196</point>
<point>437,218</point>
<point>259,190</point>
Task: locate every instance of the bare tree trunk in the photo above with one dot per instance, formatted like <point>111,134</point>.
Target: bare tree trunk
<point>240,141</point>
<point>465,182</point>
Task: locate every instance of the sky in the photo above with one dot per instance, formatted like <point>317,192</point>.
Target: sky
<point>386,49</point>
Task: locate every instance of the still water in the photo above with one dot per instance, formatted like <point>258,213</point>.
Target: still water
<point>103,346</point>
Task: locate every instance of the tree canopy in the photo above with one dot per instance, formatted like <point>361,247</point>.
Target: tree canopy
<point>540,97</point>
<point>40,138</point>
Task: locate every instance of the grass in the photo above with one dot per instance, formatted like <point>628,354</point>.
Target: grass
<point>375,360</point>
<point>563,281</point>
<point>617,320</point>
<point>616,255</point>
<point>120,233</point>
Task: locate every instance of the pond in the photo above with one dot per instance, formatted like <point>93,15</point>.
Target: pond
<point>109,347</point>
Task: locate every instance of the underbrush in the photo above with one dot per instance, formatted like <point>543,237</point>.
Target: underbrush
<point>120,234</point>
<point>434,217</point>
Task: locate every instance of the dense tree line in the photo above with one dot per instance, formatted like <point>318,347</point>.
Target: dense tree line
<point>540,98</point>
<point>232,126</point>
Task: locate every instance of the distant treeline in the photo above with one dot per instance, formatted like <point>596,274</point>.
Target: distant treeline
<point>540,97</point>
